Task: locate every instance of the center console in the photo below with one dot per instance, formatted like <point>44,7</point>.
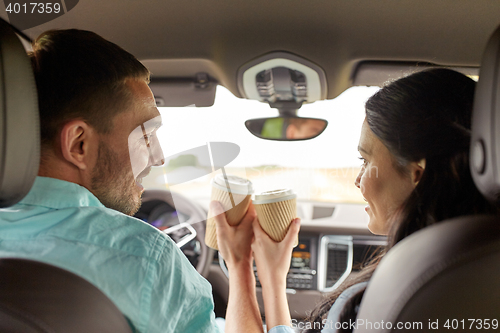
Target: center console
<point>323,262</point>
<point>303,267</point>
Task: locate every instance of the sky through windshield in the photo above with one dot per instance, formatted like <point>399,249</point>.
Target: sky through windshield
<point>323,168</point>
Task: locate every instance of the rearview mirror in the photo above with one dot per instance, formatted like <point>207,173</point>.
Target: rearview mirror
<point>286,128</point>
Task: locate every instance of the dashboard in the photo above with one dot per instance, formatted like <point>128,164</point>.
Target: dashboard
<point>334,243</point>
<point>323,263</point>
<point>320,263</point>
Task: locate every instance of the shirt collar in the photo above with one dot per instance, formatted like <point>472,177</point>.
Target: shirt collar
<point>57,194</point>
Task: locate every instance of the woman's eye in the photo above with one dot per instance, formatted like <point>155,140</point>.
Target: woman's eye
<point>363,160</point>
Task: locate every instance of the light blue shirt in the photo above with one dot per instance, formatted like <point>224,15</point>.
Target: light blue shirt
<point>281,329</point>
<point>333,322</point>
<point>138,267</point>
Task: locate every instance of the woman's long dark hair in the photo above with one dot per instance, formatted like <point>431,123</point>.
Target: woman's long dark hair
<point>424,115</point>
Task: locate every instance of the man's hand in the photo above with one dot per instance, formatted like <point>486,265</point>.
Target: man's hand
<point>234,241</point>
<point>243,315</point>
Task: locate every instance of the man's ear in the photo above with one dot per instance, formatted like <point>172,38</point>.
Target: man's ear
<point>77,143</point>
<point>417,170</point>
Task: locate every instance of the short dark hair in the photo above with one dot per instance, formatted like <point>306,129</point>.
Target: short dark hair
<point>80,75</point>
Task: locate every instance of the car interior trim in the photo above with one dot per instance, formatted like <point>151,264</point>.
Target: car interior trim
<point>378,73</point>
<point>315,76</point>
<point>323,260</point>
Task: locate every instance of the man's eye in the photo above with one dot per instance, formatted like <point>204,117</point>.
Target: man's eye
<point>147,138</point>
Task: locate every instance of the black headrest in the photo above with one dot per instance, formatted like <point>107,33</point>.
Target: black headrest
<point>19,124</point>
<point>485,146</point>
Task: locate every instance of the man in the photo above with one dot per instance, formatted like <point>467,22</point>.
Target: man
<point>304,128</point>
<point>98,120</point>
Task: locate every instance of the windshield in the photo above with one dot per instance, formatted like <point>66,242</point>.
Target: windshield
<point>320,169</point>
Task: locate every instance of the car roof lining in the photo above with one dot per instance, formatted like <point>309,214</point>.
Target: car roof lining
<point>337,35</point>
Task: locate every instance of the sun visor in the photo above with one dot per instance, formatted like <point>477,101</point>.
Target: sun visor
<point>198,91</point>
<point>379,73</point>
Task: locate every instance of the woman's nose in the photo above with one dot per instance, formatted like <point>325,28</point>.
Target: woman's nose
<point>358,179</point>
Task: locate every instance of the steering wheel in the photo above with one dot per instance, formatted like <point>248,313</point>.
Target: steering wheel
<point>184,221</point>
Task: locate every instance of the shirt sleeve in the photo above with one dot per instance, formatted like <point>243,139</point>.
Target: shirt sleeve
<point>180,298</point>
<point>281,329</point>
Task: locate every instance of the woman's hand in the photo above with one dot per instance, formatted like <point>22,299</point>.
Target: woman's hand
<point>273,263</point>
<point>272,258</point>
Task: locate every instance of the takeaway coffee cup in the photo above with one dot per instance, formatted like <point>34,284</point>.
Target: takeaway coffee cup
<point>276,210</point>
<point>234,193</point>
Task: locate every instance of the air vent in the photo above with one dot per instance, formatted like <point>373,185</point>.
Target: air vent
<point>363,253</point>
<point>365,248</point>
<point>335,261</point>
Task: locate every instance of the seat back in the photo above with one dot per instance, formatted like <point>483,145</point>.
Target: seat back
<point>485,146</point>
<point>19,123</point>
<point>442,277</point>
<point>443,272</point>
<point>37,297</point>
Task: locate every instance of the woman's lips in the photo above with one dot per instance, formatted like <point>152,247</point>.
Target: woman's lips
<point>366,207</point>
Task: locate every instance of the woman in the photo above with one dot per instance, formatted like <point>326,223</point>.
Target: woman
<point>414,146</point>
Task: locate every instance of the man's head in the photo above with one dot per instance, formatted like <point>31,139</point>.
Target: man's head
<point>304,128</point>
<point>92,96</point>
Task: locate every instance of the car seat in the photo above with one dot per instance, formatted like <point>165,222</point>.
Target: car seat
<point>34,296</point>
<point>445,277</point>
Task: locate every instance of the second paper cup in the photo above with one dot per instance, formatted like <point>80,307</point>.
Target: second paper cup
<point>276,210</point>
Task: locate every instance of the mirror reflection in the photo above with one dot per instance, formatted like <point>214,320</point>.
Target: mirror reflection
<point>286,128</point>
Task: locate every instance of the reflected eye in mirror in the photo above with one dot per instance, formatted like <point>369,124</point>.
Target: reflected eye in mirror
<point>286,128</point>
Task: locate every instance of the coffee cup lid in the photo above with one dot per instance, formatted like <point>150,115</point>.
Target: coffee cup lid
<point>274,196</point>
<point>237,185</point>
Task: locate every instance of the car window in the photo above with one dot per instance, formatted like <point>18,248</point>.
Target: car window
<point>320,169</point>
